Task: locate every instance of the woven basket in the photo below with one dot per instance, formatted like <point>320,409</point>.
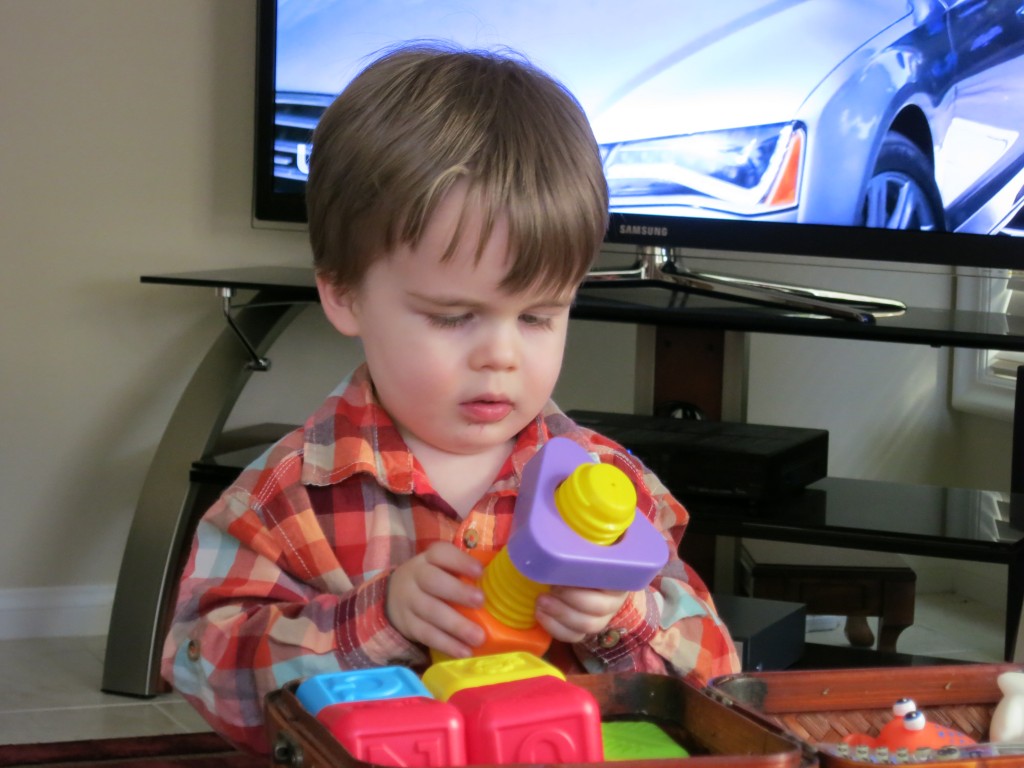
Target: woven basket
<point>820,708</point>
<point>831,726</point>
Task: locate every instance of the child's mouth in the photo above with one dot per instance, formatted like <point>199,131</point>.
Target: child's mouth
<point>485,411</point>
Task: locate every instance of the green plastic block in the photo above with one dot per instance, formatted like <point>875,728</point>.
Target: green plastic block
<point>638,740</point>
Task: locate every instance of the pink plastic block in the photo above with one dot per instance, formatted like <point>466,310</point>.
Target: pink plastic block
<point>546,550</point>
<point>538,720</point>
<point>413,731</point>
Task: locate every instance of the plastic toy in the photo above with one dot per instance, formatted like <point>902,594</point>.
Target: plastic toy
<point>638,740</point>
<point>907,733</point>
<point>518,708</point>
<point>1008,718</point>
<point>980,754</point>
<point>505,708</point>
<point>574,524</point>
<point>348,686</point>
<point>583,530</point>
<point>900,709</point>
<point>538,721</point>
<point>386,716</point>
<point>400,732</point>
<point>446,678</point>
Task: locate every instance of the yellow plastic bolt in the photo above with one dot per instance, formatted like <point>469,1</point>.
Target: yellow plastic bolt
<point>509,596</point>
<point>597,501</point>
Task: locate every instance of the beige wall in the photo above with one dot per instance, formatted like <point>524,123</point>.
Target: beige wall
<point>125,149</point>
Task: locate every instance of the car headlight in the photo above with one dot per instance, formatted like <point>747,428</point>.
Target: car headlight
<point>744,170</point>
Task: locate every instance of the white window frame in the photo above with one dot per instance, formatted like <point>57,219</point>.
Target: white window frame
<point>977,388</point>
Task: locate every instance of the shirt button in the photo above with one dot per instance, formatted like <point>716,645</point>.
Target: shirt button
<point>470,538</point>
<point>609,638</point>
<point>192,651</point>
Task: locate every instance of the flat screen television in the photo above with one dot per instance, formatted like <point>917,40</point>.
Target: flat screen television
<point>887,130</point>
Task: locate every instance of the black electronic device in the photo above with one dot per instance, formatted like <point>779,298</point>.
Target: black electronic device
<point>744,462</point>
<point>889,132</point>
<point>768,634</point>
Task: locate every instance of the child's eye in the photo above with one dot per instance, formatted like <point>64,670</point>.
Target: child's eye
<point>449,321</point>
<point>538,321</point>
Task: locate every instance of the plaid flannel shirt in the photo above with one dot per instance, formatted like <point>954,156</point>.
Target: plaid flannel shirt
<point>288,571</point>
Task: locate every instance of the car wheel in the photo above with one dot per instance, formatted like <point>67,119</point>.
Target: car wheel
<point>901,193</point>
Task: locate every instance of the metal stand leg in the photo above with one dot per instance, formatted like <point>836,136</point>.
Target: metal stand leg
<point>1012,650</point>
<point>1015,571</point>
<point>164,513</point>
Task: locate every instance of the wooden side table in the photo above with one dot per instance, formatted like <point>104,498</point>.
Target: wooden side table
<point>833,581</point>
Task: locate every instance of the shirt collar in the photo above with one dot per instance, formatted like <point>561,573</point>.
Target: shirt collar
<point>350,434</point>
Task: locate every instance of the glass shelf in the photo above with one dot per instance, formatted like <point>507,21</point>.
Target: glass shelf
<point>651,302</point>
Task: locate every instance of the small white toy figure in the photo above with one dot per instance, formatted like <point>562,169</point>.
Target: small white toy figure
<point>900,709</point>
<point>1008,719</point>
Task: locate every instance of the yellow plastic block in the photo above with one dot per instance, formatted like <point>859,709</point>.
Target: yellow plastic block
<point>446,678</point>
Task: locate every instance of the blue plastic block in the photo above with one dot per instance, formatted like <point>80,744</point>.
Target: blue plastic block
<point>358,685</point>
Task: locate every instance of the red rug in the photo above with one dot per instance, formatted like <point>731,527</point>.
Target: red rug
<point>195,750</point>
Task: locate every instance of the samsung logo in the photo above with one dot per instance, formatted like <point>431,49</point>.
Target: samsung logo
<point>642,229</point>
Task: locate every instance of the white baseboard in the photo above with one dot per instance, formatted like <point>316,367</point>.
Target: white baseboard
<point>84,611</point>
<point>78,611</point>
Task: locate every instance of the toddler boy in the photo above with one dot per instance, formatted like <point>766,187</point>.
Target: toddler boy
<point>456,201</point>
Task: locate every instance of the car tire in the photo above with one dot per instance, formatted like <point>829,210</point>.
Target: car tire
<point>902,193</point>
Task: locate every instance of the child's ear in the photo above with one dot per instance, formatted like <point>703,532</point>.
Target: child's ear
<point>339,306</point>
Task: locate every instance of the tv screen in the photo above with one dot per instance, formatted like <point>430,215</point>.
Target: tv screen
<point>867,129</point>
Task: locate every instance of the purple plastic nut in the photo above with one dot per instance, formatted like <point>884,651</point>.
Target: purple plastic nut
<point>545,549</point>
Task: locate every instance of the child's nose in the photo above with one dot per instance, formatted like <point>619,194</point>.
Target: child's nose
<point>498,348</point>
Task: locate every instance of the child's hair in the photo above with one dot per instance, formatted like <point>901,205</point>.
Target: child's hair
<point>423,117</point>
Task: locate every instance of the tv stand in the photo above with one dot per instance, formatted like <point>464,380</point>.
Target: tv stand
<point>656,264</point>
<point>846,513</point>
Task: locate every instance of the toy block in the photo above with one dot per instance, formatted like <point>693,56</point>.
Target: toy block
<point>540,720</point>
<point>416,732</point>
<point>638,740</point>
<point>446,678</point>
<point>351,685</point>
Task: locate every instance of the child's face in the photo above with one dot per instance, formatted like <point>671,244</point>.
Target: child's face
<point>460,365</point>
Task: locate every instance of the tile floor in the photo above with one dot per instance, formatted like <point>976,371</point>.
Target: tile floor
<point>52,693</point>
<point>946,626</point>
<point>52,686</point>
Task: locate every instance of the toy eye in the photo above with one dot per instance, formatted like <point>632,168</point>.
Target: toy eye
<point>913,721</point>
<point>903,707</point>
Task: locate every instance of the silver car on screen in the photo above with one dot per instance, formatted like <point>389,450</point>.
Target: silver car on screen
<point>889,113</point>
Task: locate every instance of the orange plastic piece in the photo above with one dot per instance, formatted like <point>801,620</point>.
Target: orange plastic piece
<point>500,638</point>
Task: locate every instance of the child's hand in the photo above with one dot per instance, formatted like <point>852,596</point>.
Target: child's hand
<point>421,592</point>
<point>571,613</point>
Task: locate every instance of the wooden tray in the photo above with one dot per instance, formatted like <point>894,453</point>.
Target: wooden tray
<point>821,707</point>
<point>714,733</point>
